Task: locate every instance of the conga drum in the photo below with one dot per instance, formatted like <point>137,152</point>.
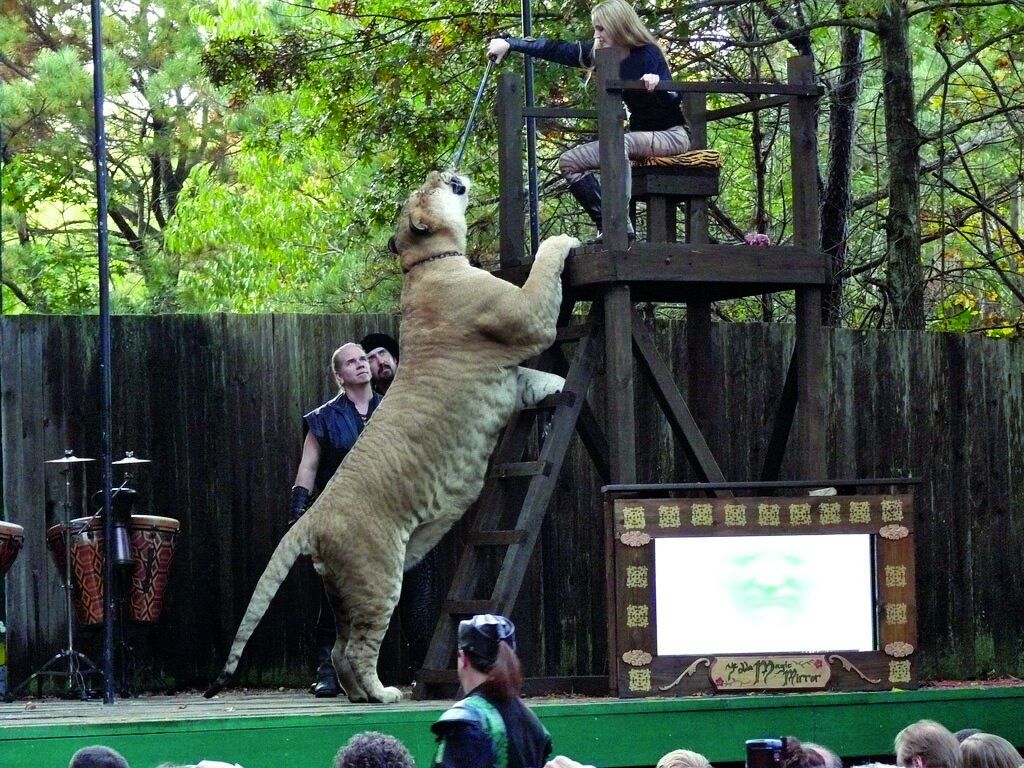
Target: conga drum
<point>86,565</point>
<point>11,538</point>
<point>152,543</point>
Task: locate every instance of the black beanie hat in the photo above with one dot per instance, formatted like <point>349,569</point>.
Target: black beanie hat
<point>371,341</point>
<point>481,635</point>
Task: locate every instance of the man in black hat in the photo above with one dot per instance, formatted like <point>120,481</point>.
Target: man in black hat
<point>382,352</point>
<point>419,603</point>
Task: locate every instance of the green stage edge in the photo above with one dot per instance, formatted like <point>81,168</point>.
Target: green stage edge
<point>608,733</point>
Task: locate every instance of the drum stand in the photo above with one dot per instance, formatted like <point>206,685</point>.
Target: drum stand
<point>68,663</point>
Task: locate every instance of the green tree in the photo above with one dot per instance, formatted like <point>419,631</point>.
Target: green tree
<point>162,120</point>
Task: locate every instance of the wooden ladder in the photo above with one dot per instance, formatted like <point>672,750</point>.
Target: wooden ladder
<point>509,512</point>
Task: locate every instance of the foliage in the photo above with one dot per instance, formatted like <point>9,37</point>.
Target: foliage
<point>288,134</point>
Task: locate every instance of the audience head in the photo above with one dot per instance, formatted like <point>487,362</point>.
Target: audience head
<point>963,733</point>
<point>97,757</point>
<point>683,758</point>
<point>927,744</point>
<point>373,750</point>
<point>797,755</point>
<point>986,750</point>
<point>831,758</point>
<point>487,649</point>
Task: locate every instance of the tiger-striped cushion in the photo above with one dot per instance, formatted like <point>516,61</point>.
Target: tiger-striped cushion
<point>696,158</point>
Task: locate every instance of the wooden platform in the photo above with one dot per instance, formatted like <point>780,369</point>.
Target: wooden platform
<point>681,272</point>
<point>271,729</point>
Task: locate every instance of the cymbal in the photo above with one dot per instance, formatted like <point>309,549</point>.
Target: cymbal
<point>70,459</point>
<point>129,459</point>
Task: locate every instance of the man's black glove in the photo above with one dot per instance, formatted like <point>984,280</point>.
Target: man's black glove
<point>297,504</point>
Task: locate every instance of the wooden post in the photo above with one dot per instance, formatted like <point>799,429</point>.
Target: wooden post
<point>810,353</point>
<point>509,112</point>
<point>704,398</point>
<point>614,167</point>
<point>695,107</point>
<point>620,411</point>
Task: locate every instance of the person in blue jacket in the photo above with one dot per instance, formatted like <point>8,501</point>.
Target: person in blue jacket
<point>490,727</point>
<point>331,431</point>
<point>657,127</point>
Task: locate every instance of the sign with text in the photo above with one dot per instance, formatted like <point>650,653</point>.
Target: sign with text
<point>769,673</point>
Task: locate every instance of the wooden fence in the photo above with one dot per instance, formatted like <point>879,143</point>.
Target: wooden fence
<point>215,402</point>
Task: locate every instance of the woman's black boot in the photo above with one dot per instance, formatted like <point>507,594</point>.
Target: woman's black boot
<point>587,192</point>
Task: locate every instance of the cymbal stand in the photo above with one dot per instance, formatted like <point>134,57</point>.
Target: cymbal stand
<point>67,663</point>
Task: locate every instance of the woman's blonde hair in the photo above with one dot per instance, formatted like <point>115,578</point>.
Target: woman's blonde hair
<point>683,758</point>
<point>621,21</point>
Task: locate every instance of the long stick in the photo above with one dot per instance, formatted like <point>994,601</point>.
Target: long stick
<point>472,114</point>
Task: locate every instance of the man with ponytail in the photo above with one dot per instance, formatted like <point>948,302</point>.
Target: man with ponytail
<point>490,727</point>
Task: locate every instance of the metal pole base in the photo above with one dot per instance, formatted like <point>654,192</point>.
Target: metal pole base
<point>73,665</point>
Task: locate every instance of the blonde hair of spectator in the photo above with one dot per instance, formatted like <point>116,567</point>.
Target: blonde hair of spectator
<point>683,758</point>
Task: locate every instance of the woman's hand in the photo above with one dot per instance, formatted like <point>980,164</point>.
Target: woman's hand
<point>650,81</point>
<point>497,48</point>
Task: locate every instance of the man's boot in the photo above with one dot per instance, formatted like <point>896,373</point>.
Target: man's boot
<point>326,685</point>
<point>587,192</point>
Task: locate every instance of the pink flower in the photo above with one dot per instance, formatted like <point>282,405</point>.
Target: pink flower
<point>756,238</point>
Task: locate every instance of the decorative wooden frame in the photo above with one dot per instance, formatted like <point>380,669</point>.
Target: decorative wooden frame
<point>634,525</point>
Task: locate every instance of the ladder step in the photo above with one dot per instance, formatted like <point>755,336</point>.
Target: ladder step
<point>520,469</point>
<point>495,538</point>
<point>468,607</point>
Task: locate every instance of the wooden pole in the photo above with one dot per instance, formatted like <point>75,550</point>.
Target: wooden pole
<point>810,342</point>
<point>620,411</point>
<point>614,168</point>
<point>509,112</point>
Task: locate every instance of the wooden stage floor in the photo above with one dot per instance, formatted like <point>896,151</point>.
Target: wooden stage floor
<point>269,729</point>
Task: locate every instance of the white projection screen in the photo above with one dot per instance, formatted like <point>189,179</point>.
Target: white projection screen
<point>764,594</point>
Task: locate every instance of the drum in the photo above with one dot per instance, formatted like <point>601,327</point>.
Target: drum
<point>11,538</point>
<point>152,541</point>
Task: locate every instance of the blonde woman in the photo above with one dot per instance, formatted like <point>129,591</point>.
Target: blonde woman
<point>657,127</point>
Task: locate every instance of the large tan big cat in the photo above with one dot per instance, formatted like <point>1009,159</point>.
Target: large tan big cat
<point>421,460</point>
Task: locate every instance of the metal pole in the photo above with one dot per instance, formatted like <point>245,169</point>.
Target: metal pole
<point>472,114</point>
<point>531,135</point>
<point>100,150</point>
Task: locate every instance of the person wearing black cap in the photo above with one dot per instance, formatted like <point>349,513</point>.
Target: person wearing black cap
<point>490,727</point>
<point>420,600</point>
<point>330,432</point>
<point>382,352</point>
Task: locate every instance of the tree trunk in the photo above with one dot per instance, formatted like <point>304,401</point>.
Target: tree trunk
<point>902,224</point>
<point>837,199</point>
